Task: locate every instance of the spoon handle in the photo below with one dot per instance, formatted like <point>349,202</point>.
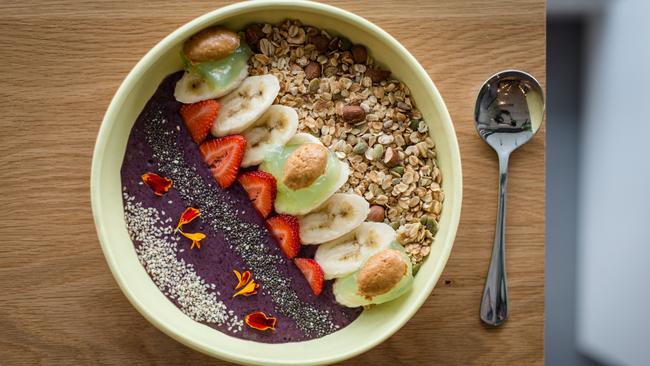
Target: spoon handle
<point>494,306</point>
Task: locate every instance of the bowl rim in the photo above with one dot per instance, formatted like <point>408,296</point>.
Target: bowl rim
<point>224,12</point>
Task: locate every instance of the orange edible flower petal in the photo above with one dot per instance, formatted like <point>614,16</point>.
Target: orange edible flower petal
<point>238,275</point>
<point>248,290</point>
<point>195,238</point>
<point>260,321</point>
<point>242,278</point>
<point>187,216</point>
<point>245,277</point>
<point>159,185</point>
<point>245,283</point>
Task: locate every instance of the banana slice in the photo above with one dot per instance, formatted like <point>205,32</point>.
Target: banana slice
<point>339,215</point>
<point>276,126</point>
<point>339,257</point>
<point>246,104</point>
<point>191,88</point>
<point>343,256</point>
<point>304,138</point>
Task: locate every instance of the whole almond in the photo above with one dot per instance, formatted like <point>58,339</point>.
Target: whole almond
<point>312,70</point>
<point>353,113</point>
<point>321,43</point>
<point>376,213</point>
<point>377,75</point>
<point>391,158</point>
<point>210,44</point>
<point>359,54</point>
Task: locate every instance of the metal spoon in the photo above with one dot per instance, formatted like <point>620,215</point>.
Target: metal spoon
<point>509,111</point>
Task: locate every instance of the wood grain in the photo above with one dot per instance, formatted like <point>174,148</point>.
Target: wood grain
<point>62,61</point>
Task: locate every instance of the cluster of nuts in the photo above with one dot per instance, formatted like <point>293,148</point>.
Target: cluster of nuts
<point>362,114</point>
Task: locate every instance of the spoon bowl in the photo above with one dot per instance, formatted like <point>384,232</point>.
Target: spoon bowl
<point>509,111</point>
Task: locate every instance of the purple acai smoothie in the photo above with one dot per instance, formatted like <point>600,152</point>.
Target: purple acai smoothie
<point>200,282</point>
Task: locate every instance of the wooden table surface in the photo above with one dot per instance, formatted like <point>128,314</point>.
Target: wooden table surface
<point>62,61</point>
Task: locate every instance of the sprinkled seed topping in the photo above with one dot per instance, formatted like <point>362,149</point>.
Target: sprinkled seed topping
<point>175,278</point>
<point>246,238</point>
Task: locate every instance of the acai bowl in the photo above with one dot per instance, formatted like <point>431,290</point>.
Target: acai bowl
<point>146,143</point>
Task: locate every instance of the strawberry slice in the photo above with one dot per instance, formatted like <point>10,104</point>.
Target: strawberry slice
<point>286,231</point>
<point>261,189</point>
<point>224,155</point>
<point>313,273</point>
<point>199,117</point>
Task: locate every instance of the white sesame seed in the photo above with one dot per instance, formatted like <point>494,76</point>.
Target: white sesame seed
<point>174,277</point>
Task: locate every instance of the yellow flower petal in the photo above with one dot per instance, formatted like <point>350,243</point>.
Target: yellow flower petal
<point>248,290</point>
<point>195,238</point>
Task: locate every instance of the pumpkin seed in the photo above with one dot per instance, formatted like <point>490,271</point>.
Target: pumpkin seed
<point>360,148</point>
<point>399,169</point>
<point>314,85</point>
<point>378,152</point>
<point>430,223</point>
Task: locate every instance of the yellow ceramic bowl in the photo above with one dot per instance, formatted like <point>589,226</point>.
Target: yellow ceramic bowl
<point>374,325</point>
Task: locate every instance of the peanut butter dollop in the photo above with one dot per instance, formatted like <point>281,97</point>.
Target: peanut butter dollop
<point>305,165</point>
<point>210,44</point>
<point>381,273</point>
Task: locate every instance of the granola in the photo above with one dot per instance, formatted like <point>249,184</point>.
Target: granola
<point>365,116</point>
